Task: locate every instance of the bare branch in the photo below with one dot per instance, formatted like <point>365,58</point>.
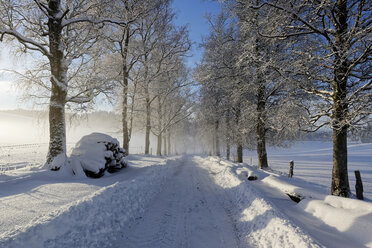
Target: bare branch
<point>27,42</point>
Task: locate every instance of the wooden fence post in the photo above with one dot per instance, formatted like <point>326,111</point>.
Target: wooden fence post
<point>358,185</point>
<point>291,164</point>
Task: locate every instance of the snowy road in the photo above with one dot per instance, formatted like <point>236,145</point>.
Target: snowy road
<point>181,201</point>
<point>187,213</point>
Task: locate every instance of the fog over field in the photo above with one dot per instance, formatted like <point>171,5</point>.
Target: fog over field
<point>31,127</point>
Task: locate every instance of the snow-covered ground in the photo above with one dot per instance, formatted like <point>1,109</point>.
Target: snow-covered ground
<point>313,162</point>
<point>43,208</point>
<point>183,201</point>
<point>331,221</point>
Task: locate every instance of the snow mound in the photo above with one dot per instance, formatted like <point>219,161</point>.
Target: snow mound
<point>95,153</point>
<point>356,221</point>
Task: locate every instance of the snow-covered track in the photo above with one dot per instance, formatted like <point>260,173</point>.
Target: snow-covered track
<point>186,214</point>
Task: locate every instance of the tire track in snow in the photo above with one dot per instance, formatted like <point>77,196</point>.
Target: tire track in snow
<point>186,214</point>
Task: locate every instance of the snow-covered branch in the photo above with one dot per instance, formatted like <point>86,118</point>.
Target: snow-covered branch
<point>27,42</point>
<point>66,23</point>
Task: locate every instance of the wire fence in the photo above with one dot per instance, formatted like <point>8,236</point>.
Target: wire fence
<point>17,156</point>
<point>137,150</point>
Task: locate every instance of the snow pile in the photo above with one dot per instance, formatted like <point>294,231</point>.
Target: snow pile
<point>351,217</point>
<point>59,160</point>
<point>94,220</point>
<point>95,153</point>
<point>260,223</point>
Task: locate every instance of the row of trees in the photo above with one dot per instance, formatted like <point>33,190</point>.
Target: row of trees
<point>124,49</point>
<point>273,69</point>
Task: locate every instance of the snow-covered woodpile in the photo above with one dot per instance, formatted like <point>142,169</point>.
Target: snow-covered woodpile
<point>96,153</point>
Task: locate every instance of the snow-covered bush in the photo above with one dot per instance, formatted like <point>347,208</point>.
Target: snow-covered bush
<point>95,153</point>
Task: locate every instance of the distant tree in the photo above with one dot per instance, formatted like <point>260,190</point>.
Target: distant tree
<point>159,42</point>
<point>217,75</point>
<point>123,42</point>
<point>239,69</point>
<point>172,103</point>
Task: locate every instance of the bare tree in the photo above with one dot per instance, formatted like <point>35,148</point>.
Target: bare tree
<point>220,76</point>
<point>61,32</point>
<point>123,42</point>
<point>159,42</point>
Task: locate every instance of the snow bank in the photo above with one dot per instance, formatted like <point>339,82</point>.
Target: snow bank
<point>288,188</point>
<point>351,217</point>
<point>93,220</point>
<point>260,223</point>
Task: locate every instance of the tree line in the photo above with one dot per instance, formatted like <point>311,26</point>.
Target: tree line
<point>272,69</point>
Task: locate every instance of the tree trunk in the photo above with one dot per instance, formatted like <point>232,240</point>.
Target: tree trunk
<point>131,113</point>
<point>57,127</point>
<point>228,150</point>
<point>169,143</point>
<point>158,147</point>
<point>148,125</point>
<point>340,181</point>
<point>261,129</point>
<point>239,141</point>
<point>228,128</point>
<point>217,139</point>
<point>165,144</point>
<point>239,153</point>
<point>148,109</point>
<point>124,54</point>
<point>160,123</point>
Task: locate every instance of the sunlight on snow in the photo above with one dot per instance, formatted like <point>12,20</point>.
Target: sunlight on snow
<point>217,170</point>
<point>256,209</point>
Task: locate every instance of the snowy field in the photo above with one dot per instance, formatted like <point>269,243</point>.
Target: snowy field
<point>313,162</point>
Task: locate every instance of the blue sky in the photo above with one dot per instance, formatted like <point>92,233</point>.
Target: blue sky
<point>192,13</point>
